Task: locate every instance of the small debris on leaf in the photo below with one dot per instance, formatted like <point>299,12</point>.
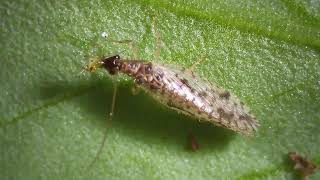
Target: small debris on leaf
<point>306,167</point>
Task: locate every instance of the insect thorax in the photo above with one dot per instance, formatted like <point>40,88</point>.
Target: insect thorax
<point>144,73</point>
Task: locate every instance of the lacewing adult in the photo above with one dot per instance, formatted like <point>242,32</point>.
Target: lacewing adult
<point>184,91</point>
<point>180,89</point>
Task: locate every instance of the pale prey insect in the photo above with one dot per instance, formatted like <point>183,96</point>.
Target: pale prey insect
<point>182,90</point>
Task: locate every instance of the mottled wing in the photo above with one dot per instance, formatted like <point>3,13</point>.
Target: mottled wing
<point>202,99</point>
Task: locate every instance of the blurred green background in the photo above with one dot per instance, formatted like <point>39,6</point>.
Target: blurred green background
<point>53,118</point>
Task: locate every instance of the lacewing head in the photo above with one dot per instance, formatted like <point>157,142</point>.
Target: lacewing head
<point>111,64</point>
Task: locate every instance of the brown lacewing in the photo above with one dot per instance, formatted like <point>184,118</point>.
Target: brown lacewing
<point>184,91</point>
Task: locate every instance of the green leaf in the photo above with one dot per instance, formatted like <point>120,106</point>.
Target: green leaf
<point>53,118</point>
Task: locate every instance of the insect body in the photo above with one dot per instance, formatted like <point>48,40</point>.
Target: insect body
<point>182,90</point>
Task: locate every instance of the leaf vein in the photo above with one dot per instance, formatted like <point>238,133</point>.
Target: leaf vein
<point>47,104</point>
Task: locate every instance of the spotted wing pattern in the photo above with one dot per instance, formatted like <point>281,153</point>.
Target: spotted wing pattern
<point>185,91</point>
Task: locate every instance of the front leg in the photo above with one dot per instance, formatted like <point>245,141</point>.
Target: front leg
<point>135,89</point>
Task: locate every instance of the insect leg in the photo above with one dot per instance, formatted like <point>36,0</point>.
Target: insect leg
<point>192,143</point>
<point>179,110</point>
<point>135,89</point>
<point>109,120</point>
<point>199,61</point>
<point>158,39</point>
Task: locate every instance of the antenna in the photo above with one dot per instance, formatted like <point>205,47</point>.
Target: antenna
<point>109,120</point>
